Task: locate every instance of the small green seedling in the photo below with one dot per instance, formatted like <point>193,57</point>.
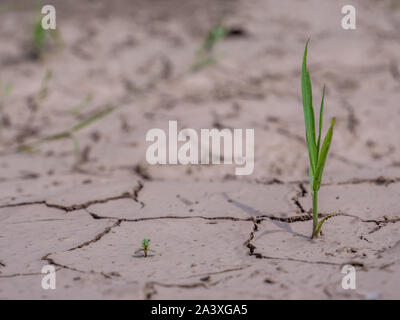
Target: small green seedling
<point>317,152</point>
<point>40,37</point>
<point>145,247</point>
<point>215,35</point>
<point>204,55</point>
<point>44,86</point>
<point>4,93</point>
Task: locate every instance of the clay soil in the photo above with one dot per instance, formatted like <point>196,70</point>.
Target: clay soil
<point>85,206</point>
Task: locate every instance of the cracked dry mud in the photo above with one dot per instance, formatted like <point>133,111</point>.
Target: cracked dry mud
<point>216,235</point>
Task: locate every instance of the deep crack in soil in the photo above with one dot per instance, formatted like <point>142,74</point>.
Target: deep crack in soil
<point>126,195</point>
<point>252,251</point>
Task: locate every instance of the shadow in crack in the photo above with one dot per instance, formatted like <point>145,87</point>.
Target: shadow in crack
<point>284,226</point>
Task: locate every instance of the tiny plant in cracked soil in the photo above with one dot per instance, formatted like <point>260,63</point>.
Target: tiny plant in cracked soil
<point>39,38</point>
<point>145,248</point>
<point>317,152</point>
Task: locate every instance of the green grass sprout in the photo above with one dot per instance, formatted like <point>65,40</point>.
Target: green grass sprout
<point>204,54</point>
<point>145,247</point>
<point>317,152</point>
<point>40,37</point>
<point>216,34</point>
<point>44,86</point>
<point>4,93</point>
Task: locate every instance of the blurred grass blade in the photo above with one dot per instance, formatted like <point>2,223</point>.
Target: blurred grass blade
<point>203,63</point>
<point>77,109</point>
<point>216,34</point>
<point>323,155</point>
<point>91,119</point>
<point>7,90</point>
<point>39,35</point>
<point>321,112</point>
<point>80,125</point>
<point>68,133</point>
<point>44,86</point>
<point>308,112</point>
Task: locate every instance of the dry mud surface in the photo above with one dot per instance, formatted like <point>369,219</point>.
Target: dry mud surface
<point>216,235</point>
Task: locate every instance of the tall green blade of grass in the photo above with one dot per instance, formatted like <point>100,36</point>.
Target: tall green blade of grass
<point>308,112</point>
<point>317,153</point>
<point>322,158</point>
<point>321,112</point>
